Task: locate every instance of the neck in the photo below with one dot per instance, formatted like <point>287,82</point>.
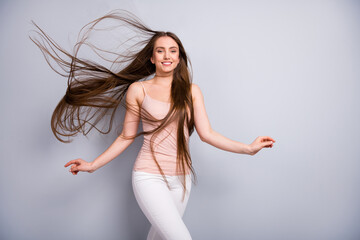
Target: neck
<point>164,79</point>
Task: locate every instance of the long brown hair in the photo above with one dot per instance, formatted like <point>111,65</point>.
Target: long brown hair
<point>94,90</point>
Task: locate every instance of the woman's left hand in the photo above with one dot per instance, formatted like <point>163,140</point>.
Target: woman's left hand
<point>259,143</point>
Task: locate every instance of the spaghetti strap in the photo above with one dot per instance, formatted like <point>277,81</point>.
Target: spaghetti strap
<point>143,87</point>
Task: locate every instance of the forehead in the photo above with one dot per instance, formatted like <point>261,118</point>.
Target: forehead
<point>165,42</point>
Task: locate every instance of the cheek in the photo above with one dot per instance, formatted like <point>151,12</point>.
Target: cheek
<point>156,57</point>
<point>176,58</point>
<point>176,64</point>
<point>177,61</point>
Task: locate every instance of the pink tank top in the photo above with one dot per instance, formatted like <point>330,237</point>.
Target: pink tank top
<point>165,144</point>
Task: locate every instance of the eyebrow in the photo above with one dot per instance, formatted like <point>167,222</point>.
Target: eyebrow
<point>164,48</point>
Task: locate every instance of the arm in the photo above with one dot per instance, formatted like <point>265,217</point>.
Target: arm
<point>131,123</point>
<point>208,135</point>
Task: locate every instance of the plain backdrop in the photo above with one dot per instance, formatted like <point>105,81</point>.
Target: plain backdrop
<point>286,69</point>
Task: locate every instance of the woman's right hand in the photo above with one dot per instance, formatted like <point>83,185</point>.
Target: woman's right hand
<point>80,165</point>
<point>261,142</point>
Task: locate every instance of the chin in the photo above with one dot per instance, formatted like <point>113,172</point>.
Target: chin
<point>165,71</point>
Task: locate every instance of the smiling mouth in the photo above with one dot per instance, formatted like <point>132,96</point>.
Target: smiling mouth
<point>166,63</point>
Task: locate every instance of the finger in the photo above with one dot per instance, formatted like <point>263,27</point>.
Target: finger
<point>69,163</point>
<point>267,144</point>
<point>267,138</point>
<point>74,172</point>
<point>75,161</point>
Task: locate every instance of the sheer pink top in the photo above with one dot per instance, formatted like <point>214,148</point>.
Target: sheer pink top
<point>165,143</point>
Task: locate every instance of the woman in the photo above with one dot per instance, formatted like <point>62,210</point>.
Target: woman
<point>169,105</point>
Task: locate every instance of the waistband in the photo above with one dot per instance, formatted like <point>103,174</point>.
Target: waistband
<point>157,175</point>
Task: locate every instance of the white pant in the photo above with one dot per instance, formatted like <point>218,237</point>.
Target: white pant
<point>162,206</point>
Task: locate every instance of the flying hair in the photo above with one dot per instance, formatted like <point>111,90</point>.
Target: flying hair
<point>95,91</point>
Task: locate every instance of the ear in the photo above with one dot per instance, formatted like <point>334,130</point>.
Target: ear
<point>151,59</point>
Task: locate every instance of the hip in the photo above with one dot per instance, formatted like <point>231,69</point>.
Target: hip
<point>141,177</point>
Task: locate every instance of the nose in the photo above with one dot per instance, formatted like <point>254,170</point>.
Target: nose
<point>166,55</point>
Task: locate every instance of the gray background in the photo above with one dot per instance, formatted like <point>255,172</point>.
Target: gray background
<point>287,69</point>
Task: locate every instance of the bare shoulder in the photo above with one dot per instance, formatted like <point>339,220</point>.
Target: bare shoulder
<point>135,88</point>
<point>195,91</point>
<point>149,81</point>
<point>195,88</point>
<point>134,92</point>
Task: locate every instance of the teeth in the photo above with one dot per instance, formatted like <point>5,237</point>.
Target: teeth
<point>166,63</point>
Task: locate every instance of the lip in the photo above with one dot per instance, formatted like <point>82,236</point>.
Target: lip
<point>166,64</point>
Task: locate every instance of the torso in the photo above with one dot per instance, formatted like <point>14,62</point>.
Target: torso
<point>165,144</point>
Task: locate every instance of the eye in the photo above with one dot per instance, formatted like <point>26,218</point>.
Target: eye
<point>173,51</point>
<point>159,51</point>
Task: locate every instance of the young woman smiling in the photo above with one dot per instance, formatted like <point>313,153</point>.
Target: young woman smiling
<point>169,105</point>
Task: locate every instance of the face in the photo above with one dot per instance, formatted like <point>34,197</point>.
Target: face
<point>165,55</point>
